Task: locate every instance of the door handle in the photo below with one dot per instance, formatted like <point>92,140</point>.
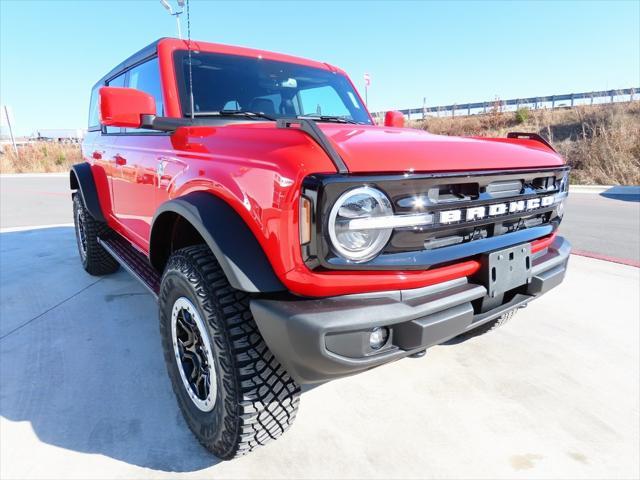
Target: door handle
<point>120,160</point>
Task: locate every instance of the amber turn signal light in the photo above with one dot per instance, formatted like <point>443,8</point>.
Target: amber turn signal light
<point>305,220</point>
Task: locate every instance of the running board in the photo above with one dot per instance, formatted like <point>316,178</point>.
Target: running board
<point>133,261</point>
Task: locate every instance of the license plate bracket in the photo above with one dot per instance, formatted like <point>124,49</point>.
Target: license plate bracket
<point>506,269</point>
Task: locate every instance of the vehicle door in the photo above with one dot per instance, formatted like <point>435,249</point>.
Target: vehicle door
<point>101,152</point>
<point>140,155</point>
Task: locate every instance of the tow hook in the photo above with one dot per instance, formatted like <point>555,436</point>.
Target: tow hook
<point>419,354</point>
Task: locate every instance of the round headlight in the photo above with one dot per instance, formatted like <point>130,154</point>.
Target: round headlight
<point>351,238</point>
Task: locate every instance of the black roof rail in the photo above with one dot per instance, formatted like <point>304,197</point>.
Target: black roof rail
<point>140,56</point>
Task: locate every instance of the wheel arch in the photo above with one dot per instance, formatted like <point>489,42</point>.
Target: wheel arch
<point>201,217</point>
<point>81,179</point>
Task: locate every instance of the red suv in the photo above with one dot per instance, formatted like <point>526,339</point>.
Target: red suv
<point>288,239</point>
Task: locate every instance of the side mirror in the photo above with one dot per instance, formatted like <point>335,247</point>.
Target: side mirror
<point>124,107</point>
<point>394,119</point>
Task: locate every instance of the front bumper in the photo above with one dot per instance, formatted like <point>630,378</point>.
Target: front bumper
<point>318,340</point>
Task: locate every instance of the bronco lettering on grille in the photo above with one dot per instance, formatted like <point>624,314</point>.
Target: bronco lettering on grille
<point>478,213</point>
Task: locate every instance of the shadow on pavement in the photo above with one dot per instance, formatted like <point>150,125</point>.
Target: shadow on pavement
<point>621,193</point>
<point>80,358</point>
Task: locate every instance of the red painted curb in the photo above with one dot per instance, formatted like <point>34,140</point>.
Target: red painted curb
<point>606,258</point>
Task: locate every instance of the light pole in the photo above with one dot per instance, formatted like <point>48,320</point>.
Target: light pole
<point>367,84</point>
<point>167,5</point>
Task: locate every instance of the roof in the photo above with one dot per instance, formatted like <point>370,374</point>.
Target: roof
<point>178,44</point>
<point>141,55</point>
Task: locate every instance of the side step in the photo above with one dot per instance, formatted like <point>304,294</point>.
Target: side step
<point>133,261</point>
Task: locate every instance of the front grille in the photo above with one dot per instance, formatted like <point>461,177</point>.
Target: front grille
<point>440,195</point>
<point>504,188</point>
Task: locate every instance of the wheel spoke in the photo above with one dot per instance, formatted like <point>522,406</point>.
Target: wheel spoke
<point>192,352</point>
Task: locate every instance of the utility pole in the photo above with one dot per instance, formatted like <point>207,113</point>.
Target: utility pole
<point>13,140</point>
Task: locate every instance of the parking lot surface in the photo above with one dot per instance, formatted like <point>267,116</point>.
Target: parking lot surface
<point>84,393</point>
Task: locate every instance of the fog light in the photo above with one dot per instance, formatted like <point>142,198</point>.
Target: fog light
<point>378,337</point>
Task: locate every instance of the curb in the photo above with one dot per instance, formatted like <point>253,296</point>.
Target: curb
<point>606,258</point>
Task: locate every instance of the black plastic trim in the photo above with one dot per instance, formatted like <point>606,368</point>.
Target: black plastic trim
<point>310,127</point>
<point>235,247</point>
<point>133,261</point>
<point>530,136</point>
<point>81,179</point>
<point>162,124</point>
<point>324,190</point>
<point>421,259</point>
<point>303,333</point>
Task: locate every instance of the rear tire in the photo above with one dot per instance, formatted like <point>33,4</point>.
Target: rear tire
<point>246,398</point>
<point>95,259</point>
<point>489,326</point>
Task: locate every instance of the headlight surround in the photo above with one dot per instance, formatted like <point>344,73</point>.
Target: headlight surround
<point>362,244</point>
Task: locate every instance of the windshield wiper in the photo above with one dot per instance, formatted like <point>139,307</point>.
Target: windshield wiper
<point>234,113</point>
<point>329,118</point>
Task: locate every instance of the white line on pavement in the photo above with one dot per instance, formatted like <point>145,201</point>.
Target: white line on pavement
<point>33,227</point>
<point>34,175</point>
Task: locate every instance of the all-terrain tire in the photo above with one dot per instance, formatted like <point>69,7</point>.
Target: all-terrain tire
<point>489,326</point>
<point>256,399</point>
<point>95,259</point>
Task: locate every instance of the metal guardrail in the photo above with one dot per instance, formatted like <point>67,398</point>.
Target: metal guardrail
<point>531,102</point>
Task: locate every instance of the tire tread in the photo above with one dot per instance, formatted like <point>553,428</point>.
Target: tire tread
<point>267,398</point>
<point>98,261</point>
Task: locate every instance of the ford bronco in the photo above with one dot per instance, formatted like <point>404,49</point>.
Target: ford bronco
<point>288,239</point>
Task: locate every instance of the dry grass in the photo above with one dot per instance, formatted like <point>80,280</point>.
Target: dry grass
<point>40,157</point>
<point>600,142</point>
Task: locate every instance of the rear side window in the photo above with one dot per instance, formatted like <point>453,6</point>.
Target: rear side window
<point>146,77</point>
<point>94,116</point>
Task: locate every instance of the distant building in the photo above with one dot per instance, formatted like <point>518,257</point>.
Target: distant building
<point>61,135</point>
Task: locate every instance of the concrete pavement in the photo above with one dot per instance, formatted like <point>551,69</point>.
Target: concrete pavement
<point>604,224</point>
<point>34,200</point>
<point>553,394</point>
<point>84,393</point>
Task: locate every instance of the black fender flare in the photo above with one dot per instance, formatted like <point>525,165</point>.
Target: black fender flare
<point>81,179</point>
<point>232,242</point>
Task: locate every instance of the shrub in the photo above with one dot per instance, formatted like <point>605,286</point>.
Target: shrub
<point>522,115</point>
<point>39,157</point>
<point>601,143</point>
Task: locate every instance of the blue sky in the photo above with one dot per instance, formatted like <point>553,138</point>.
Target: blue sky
<point>52,52</point>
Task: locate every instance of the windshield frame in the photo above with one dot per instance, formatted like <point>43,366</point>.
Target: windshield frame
<point>182,85</point>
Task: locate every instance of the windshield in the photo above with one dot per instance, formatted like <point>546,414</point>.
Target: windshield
<point>232,83</point>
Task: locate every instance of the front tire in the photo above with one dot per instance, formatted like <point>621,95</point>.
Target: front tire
<point>233,393</point>
<point>95,259</point>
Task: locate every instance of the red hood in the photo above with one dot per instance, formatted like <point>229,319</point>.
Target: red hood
<point>367,149</point>
<point>370,149</point>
